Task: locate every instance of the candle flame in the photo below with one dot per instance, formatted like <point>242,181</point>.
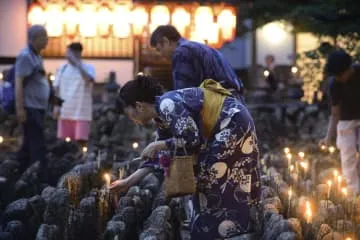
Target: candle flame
<point>336,173</point>
<point>301,154</point>
<point>107,177</point>
<point>67,139</point>
<point>290,193</point>
<point>291,168</point>
<point>308,215</point>
<point>323,147</point>
<point>1,139</point>
<point>344,191</point>
<point>339,179</point>
<point>135,145</point>
<point>304,165</point>
<point>84,149</point>
<point>329,183</point>
<point>331,149</point>
<point>286,150</point>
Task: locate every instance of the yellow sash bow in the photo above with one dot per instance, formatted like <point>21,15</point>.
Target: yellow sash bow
<point>214,96</point>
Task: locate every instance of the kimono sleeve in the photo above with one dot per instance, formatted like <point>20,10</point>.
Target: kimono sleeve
<point>185,132</point>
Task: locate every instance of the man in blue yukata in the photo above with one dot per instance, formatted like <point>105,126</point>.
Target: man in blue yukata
<point>193,62</point>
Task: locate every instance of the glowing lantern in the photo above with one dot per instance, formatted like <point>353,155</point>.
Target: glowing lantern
<point>204,17</point>
<point>71,20</point>
<point>213,35</point>
<point>139,18</point>
<point>227,22</point>
<point>181,19</point>
<point>196,37</point>
<point>36,15</point>
<point>160,15</point>
<point>104,20</point>
<point>88,20</point>
<point>121,24</point>
<point>54,24</point>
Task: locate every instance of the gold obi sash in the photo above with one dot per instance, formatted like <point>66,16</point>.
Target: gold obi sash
<point>214,97</point>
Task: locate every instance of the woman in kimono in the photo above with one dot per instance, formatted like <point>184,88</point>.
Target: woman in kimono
<point>228,182</point>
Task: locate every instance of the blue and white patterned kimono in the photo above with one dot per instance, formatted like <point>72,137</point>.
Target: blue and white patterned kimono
<point>228,181</point>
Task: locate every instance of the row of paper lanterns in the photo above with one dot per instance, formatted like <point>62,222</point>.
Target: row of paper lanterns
<point>90,20</point>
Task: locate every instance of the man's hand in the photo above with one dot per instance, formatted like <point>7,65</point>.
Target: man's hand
<point>56,112</point>
<point>21,115</point>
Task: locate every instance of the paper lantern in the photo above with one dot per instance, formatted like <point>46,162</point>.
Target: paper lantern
<point>204,17</point>
<point>88,20</point>
<point>213,35</point>
<point>227,23</point>
<point>104,19</point>
<point>196,37</point>
<point>181,19</point>
<point>139,19</point>
<point>54,20</point>
<point>160,15</point>
<point>71,20</point>
<point>121,21</point>
<point>36,15</point>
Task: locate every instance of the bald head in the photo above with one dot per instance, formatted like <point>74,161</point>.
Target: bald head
<point>37,37</point>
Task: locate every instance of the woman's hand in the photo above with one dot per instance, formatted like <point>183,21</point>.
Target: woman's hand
<point>120,185</point>
<point>152,148</point>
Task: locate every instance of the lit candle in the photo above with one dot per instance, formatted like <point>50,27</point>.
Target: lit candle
<point>291,168</point>
<point>107,180</point>
<point>84,149</point>
<point>121,173</point>
<point>67,139</point>
<point>301,155</point>
<point>135,145</point>
<point>308,215</point>
<point>289,157</point>
<point>339,179</point>
<point>336,173</point>
<point>290,194</point>
<point>331,149</point>
<point>1,139</point>
<point>323,147</point>
<point>286,150</point>
<point>308,212</point>
<point>329,183</point>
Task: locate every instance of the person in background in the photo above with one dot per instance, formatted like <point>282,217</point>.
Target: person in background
<point>193,62</point>
<point>271,79</point>
<point>228,181</point>
<point>32,93</point>
<point>345,114</point>
<point>74,83</point>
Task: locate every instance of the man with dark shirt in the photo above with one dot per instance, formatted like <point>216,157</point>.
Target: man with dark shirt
<point>344,90</point>
<point>194,62</point>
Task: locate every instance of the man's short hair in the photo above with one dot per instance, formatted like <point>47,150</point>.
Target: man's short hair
<point>35,31</point>
<point>76,46</point>
<point>162,31</point>
<point>338,62</point>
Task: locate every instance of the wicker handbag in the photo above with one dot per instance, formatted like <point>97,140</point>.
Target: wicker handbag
<point>181,179</point>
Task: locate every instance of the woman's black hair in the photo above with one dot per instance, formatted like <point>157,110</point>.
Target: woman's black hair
<point>141,89</point>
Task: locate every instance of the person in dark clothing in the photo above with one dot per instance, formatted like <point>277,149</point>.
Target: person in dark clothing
<point>270,75</point>
<point>32,92</point>
<point>193,62</point>
<point>345,114</point>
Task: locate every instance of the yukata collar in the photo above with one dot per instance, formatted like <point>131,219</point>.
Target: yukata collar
<point>32,49</point>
